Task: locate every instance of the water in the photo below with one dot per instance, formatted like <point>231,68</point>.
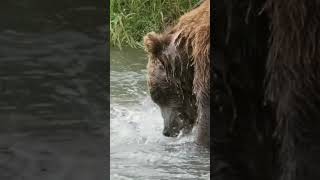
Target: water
<point>138,148</point>
<point>53,84</point>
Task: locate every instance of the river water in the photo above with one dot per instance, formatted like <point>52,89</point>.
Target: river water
<point>54,101</point>
<point>53,90</point>
<point>138,150</point>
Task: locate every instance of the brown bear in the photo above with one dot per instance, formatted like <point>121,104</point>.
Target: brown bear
<point>179,73</point>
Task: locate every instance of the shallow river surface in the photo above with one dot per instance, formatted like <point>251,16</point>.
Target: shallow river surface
<point>53,90</point>
<point>138,148</point>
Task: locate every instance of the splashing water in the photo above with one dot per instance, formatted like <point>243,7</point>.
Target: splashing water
<point>138,148</point>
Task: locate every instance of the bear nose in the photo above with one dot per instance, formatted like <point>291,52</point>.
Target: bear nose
<point>166,132</point>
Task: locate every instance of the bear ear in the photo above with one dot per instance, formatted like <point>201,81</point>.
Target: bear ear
<point>153,44</point>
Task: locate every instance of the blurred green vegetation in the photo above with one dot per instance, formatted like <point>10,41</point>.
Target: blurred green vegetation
<point>130,20</point>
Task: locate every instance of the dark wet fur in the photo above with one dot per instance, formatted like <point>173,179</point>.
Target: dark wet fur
<point>291,88</point>
<point>293,85</point>
<point>242,125</point>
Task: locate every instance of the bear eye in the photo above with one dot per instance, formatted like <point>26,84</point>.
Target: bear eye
<point>155,95</point>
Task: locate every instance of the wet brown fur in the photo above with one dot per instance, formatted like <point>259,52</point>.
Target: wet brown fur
<point>184,49</point>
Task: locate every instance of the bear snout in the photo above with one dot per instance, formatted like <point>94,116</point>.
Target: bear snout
<point>166,132</point>
<point>169,132</point>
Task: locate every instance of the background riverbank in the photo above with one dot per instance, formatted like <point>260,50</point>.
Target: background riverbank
<point>130,20</point>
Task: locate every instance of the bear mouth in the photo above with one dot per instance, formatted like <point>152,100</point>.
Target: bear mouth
<point>175,122</point>
<point>183,129</point>
<point>170,132</point>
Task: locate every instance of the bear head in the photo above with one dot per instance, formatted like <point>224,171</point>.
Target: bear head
<point>170,79</point>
